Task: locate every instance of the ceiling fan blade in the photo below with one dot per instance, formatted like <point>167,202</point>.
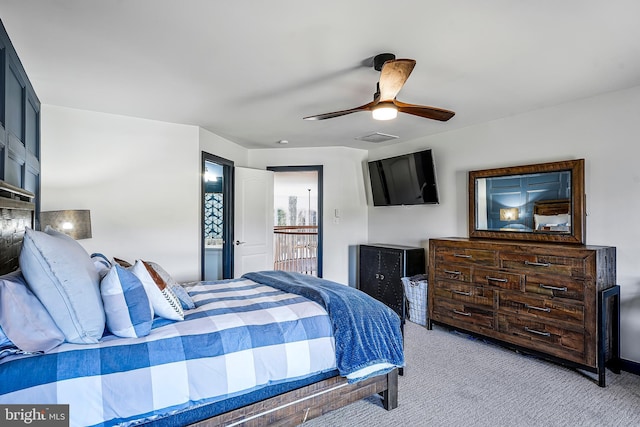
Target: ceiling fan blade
<point>393,75</point>
<point>424,111</point>
<point>365,107</point>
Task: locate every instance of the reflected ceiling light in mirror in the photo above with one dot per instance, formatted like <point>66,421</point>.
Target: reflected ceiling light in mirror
<point>509,214</point>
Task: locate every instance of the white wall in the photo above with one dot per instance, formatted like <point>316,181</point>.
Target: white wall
<point>218,146</point>
<point>603,130</point>
<point>343,189</point>
<point>139,178</point>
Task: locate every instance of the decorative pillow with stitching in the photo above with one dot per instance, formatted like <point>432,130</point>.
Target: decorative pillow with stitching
<point>126,305</point>
<point>164,301</point>
<point>185,300</point>
<point>62,275</point>
<point>23,318</point>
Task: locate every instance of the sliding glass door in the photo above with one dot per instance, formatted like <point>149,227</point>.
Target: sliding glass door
<point>298,219</point>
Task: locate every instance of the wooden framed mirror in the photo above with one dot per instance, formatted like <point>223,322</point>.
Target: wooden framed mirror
<point>541,202</point>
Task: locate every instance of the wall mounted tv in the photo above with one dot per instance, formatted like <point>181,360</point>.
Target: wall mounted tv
<point>409,179</point>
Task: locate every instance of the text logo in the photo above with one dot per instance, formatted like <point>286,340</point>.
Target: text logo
<point>34,415</point>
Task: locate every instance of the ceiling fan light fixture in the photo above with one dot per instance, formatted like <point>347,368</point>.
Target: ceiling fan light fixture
<point>384,111</point>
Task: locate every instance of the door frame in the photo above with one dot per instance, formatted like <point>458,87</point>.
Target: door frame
<point>227,213</point>
<point>310,168</point>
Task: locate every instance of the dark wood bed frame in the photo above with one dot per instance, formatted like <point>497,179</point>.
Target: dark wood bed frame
<point>290,409</point>
<point>297,406</point>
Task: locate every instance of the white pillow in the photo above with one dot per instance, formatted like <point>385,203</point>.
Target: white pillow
<point>165,303</point>
<point>544,220</point>
<point>63,277</point>
<point>184,298</point>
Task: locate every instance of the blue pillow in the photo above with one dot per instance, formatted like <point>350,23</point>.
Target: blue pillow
<point>23,318</point>
<point>61,274</point>
<point>185,299</point>
<point>126,304</point>
<point>102,264</point>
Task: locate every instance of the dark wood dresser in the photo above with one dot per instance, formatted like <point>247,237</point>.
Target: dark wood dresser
<point>557,301</point>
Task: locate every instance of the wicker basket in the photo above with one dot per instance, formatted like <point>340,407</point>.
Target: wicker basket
<point>415,289</point>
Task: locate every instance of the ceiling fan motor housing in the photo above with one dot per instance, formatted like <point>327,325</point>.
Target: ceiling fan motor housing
<point>379,60</point>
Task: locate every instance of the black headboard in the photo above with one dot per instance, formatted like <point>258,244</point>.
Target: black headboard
<point>17,212</point>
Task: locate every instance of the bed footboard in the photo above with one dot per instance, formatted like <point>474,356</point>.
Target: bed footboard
<point>305,403</point>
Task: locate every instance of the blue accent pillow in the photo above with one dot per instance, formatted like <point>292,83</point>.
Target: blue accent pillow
<point>126,304</point>
<point>185,299</point>
<point>61,274</point>
<point>101,263</point>
<point>23,319</point>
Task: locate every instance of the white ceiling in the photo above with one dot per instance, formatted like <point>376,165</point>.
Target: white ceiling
<point>250,70</point>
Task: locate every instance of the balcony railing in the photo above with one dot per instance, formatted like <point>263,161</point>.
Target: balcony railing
<point>296,248</point>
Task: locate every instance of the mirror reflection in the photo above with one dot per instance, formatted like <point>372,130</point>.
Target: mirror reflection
<point>529,203</point>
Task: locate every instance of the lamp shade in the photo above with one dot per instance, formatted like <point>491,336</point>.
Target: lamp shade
<point>75,223</point>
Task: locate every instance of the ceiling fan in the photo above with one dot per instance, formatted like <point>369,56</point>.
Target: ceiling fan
<point>393,75</point>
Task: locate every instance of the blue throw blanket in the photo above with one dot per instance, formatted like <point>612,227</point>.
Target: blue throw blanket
<point>366,331</point>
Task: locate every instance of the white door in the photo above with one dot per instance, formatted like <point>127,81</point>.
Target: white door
<point>253,221</point>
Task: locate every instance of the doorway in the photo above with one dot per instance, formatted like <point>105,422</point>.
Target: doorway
<point>217,218</point>
<point>298,219</point>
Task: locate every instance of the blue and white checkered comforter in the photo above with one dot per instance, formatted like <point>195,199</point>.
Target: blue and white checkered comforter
<point>241,336</point>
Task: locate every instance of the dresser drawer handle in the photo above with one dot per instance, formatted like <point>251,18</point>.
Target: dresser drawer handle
<point>466,294</point>
<point>533,331</point>
<point>462,256</point>
<point>455,273</point>
<point>461,313</point>
<point>538,264</point>
<point>496,279</point>
<point>533,307</point>
<point>554,288</point>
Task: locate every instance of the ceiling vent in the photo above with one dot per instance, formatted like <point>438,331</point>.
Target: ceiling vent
<point>377,137</point>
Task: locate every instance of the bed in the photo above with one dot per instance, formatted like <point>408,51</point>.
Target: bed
<point>552,216</point>
<point>270,347</point>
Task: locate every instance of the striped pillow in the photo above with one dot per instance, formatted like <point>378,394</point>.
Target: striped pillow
<point>164,301</point>
<point>126,305</point>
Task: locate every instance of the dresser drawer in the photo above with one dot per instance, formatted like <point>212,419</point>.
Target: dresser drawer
<point>467,256</point>
<point>542,336</point>
<point>549,264</point>
<point>497,278</point>
<point>453,272</point>
<point>463,315</point>
<point>542,308</point>
<point>556,286</point>
<point>464,292</point>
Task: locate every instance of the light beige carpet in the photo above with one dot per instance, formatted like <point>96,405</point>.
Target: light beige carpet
<point>454,380</point>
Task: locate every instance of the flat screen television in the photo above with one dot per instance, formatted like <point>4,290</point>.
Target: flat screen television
<point>409,179</point>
